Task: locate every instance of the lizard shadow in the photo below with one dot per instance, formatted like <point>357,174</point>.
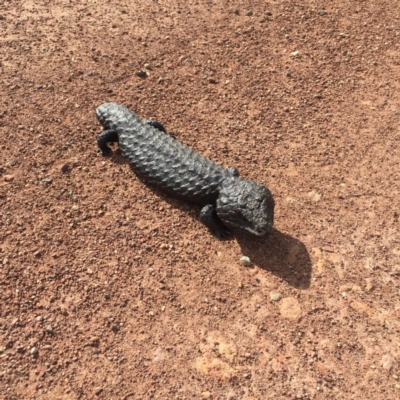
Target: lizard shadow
<point>279,253</point>
<point>282,255</point>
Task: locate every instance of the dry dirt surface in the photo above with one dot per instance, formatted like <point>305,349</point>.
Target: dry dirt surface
<point>110,290</point>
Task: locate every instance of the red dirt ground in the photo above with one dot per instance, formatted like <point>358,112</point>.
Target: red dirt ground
<point>111,291</point>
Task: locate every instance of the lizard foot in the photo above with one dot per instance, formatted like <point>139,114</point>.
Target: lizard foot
<point>105,151</point>
<point>223,233</point>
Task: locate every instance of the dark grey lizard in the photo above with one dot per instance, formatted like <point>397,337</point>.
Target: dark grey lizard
<point>229,202</point>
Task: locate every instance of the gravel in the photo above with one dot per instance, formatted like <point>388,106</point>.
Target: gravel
<point>245,261</point>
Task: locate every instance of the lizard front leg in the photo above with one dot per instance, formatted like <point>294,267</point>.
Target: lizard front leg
<point>209,218</point>
<point>158,125</point>
<point>105,137</point>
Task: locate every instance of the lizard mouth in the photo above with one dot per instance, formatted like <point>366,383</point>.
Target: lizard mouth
<point>259,232</point>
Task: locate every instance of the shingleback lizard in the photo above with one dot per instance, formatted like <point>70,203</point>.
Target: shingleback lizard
<point>228,201</point>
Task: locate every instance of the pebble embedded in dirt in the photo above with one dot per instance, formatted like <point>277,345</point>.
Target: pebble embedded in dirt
<point>290,308</point>
<point>344,289</point>
<point>8,178</point>
<point>370,285</point>
<point>387,362</point>
<point>141,74</point>
<point>356,289</point>
<point>314,196</point>
<point>275,296</point>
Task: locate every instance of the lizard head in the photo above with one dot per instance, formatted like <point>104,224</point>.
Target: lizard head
<point>246,206</point>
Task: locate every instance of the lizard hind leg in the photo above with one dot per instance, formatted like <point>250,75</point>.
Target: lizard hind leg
<point>159,126</point>
<point>209,218</point>
<point>155,124</point>
<point>105,137</point>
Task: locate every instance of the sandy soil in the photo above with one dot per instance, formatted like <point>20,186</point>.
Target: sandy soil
<point>111,291</point>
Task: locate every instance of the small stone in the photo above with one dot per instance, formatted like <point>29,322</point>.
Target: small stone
<point>370,286</point>
<point>206,395</point>
<point>344,289</point>
<point>321,12</point>
<point>49,329</point>
<point>75,207</point>
<point>288,74</point>
<point>290,308</point>
<point>249,13</point>
<point>237,12</point>
<point>387,362</point>
<point>292,200</point>
<point>212,80</point>
<point>275,296</point>
<point>314,196</point>
<point>141,74</point>
<point>325,343</point>
<point>46,180</point>
<point>98,390</point>
<point>34,351</point>
<point>89,271</point>
<point>65,168</point>
<point>147,66</point>
<point>295,53</point>
<point>245,261</point>
<point>8,178</point>
<point>94,340</point>
<point>356,289</point>
<point>39,318</point>
<point>160,79</point>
